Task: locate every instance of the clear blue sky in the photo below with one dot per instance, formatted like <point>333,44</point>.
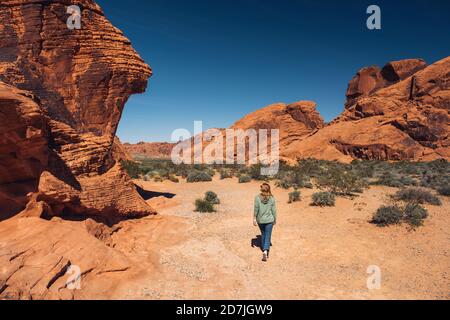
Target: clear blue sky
<point>217,60</point>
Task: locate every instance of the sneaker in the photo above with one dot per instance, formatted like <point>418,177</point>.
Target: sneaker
<point>265,257</point>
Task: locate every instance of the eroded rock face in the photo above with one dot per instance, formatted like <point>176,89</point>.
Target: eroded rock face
<point>294,121</point>
<point>23,148</point>
<point>405,120</point>
<point>154,150</point>
<point>80,80</point>
<point>371,79</point>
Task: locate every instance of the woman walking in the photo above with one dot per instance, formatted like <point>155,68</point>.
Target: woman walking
<point>265,216</point>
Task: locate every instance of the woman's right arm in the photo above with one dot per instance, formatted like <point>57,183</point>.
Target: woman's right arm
<point>255,212</point>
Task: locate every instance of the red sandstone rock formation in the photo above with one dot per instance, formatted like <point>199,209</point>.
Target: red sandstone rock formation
<point>294,121</point>
<point>57,131</point>
<point>371,79</point>
<point>403,120</point>
<point>153,150</point>
<point>23,148</point>
<point>120,152</point>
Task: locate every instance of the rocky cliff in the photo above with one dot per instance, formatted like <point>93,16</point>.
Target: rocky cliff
<point>153,150</point>
<point>62,93</point>
<point>400,112</point>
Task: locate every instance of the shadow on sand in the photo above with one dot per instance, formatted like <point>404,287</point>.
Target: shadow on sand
<point>147,195</point>
<point>256,242</point>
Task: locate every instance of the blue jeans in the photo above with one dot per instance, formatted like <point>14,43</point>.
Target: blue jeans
<point>266,236</point>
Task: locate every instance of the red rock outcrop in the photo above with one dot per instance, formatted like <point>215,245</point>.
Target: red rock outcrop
<point>153,150</point>
<point>294,122</point>
<point>79,81</point>
<point>121,153</point>
<point>23,148</point>
<point>406,120</point>
<point>371,79</point>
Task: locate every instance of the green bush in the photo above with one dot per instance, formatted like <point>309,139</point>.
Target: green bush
<point>132,168</point>
<point>199,176</point>
<point>226,174</point>
<point>389,179</point>
<point>307,185</point>
<point>173,178</point>
<point>292,179</point>
<point>444,190</point>
<point>204,206</point>
<point>415,214</point>
<point>340,182</point>
<point>387,215</point>
<point>212,197</point>
<point>294,196</point>
<point>323,199</point>
<point>284,183</point>
<point>245,178</point>
<point>435,180</point>
<point>255,173</point>
<point>417,195</point>
<point>408,181</point>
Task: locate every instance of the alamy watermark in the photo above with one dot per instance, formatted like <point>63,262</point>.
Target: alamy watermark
<point>228,146</point>
<point>74,280</point>
<point>74,21</point>
<point>374,20</point>
<point>374,280</point>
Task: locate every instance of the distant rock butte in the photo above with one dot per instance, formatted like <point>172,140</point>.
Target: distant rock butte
<point>295,121</point>
<point>62,93</point>
<point>399,112</point>
<point>154,150</point>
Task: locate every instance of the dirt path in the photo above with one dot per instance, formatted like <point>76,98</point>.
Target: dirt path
<point>318,253</point>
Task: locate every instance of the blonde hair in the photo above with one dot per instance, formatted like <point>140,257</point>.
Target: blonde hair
<point>266,191</point>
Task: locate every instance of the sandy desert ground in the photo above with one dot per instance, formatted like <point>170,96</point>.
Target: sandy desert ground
<point>318,253</point>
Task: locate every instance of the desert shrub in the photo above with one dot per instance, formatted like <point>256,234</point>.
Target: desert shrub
<point>340,182</point>
<point>434,180</point>
<point>418,195</point>
<point>387,215</point>
<point>294,196</point>
<point>292,179</point>
<point>245,178</point>
<point>311,167</point>
<point>323,199</point>
<point>173,178</point>
<point>415,214</point>
<point>307,185</point>
<point>255,173</point>
<point>388,179</point>
<point>243,171</point>
<point>364,169</point>
<point>212,197</point>
<point>199,176</point>
<point>204,206</point>
<point>444,190</point>
<point>284,183</point>
<point>408,181</point>
<point>132,168</point>
<point>158,178</point>
<point>226,174</point>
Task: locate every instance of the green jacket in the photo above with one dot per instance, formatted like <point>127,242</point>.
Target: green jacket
<point>265,213</point>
